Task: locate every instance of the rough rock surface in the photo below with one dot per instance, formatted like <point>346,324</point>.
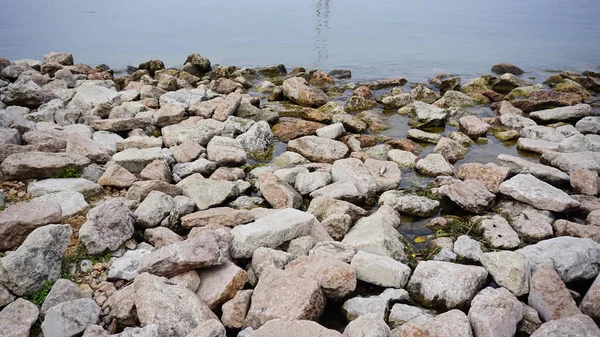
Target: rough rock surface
<point>17,318</point>
<point>17,221</point>
<point>495,312</point>
<point>549,296</point>
<point>574,326</point>
<point>108,225</point>
<point>528,189</point>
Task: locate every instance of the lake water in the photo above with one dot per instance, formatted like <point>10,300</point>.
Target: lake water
<point>375,39</point>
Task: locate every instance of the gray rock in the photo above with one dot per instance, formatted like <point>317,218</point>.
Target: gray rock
<point>339,190</point>
<point>589,125</point>
<point>509,269</point>
<point>590,305</point>
<point>21,166</point>
<point>108,226</point>
<point>569,162</point>
<point>5,296</point>
<point>470,195</point>
<point>183,97</point>
<point>422,136</point>
<point>536,145</point>
<point>203,166</point>
<point>9,136</point>
<point>367,325</point>
<point>208,192</point>
<point>200,132</point>
<point>17,318</point>
<point>49,186</point>
<point>572,258</point>
<point>154,209</point>
<point>574,326</point>
<point>125,267</point>
<point>319,149</point>
<point>497,231</point>
<point>116,176</point>
<point>108,139</point>
<point>434,165</point>
<point>445,284</point>
<point>528,189</point>
<point>209,328</point>
<point>70,318</point>
<point>226,151</point>
<point>270,231</point>
<point>468,248</point>
<point>380,270</point>
<point>359,306</point>
<point>548,174</point>
<point>135,160</point>
<point>278,193</point>
<point>542,133</point>
<point>516,121</point>
<point>453,323</point>
<point>27,94</point>
<point>297,90</point>
<point>402,314</point>
<point>307,183</point>
<point>63,291</point>
<point>333,131</point>
<point>404,159</point>
<point>353,171</point>
<point>495,312</point>
<point>473,127</point>
<point>274,328</point>
<point>425,115</point>
<point>220,284</point>
<point>409,203</point>
<point>258,139</point>
<point>43,249</point>
<point>160,236</point>
<point>176,310</point>
<point>70,202</point>
<point>17,221</point>
<point>562,114</point>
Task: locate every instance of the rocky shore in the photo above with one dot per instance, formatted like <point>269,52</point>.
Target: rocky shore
<point>224,201</point>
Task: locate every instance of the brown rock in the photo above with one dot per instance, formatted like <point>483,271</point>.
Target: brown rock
<point>319,78</point>
<point>220,284</point>
<point>295,328</point>
<point>161,236</point>
<point>591,302</point>
<point>121,306</point>
<point>568,228</point>
<point>453,323</point>
<point>278,193</point>
<point>280,294</point>
<point>117,176</point>
<point>584,181</point>
<point>17,221</point>
<point>234,310</point>
<point>337,225</point>
<point>405,144</point>
<point>157,170</point>
<point>540,100</point>
<point>490,175</point>
<point>549,295</point>
<point>473,126</point>
<point>291,128</point>
<point>77,144</point>
<point>187,151</point>
<point>190,280</point>
<point>336,278</point>
<point>224,216</point>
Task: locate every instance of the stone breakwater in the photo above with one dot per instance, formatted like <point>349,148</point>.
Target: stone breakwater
<point>224,201</point>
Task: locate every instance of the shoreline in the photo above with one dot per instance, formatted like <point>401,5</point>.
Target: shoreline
<point>272,197</point>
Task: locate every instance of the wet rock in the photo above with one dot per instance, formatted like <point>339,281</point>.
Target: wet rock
<point>450,149</point>
<point>470,195</point>
<point>528,189</point>
<point>38,165</point>
<point>274,327</point>
<point>280,294</point>
<point>361,99</point>
<point>17,221</point>
<point>49,186</point>
<point>473,126</point>
<point>43,248</point>
<point>578,325</point>
<point>207,192</point>
<point>548,174</point>
<point>549,296</point>
<point>506,83</point>
<point>572,258</point>
<point>410,204</point>
<point>590,305</point>
<point>503,68</point>
<point>404,159</point>
<point>336,278</point>
<point>319,149</point>
<point>398,101</point>
<point>258,139</point>
<point>108,226</point>
<point>176,310</point>
<point>434,165</point>
<point>70,318</point>
<point>454,98</point>
<point>424,94</point>
<point>424,115</point>
<point>380,270</point>
<point>445,284</point>
<point>270,231</point>
<point>377,234</point>
<point>17,318</point>
<point>509,269</point>
<point>423,136</point>
<point>453,323</point>
<point>297,90</point>
<point>495,312</point>
<point>220,284</point>
<point>490,175</point>
<point>497,232</point>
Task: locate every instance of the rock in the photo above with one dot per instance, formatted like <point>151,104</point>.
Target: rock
<point>542,133</point>
<point>402,314</point>
<point>536,145</point>
<point>108,226</point>
<point>569,162</point>
<point>207,192</point>
<point>274,328</point>
<point>548,174</point>
<point>528,189</point>
<point>187,151</point>
<point>424,115</point>
<point>38,165</point>
<point>468,248</point>
<point>589,125</point>
<point>319,149</point>
<point>573,326</point>
<point>161,236</point>
<point>201,165</point>
<point>410,204</point>
<point>155,207</point>
<point>340,190</point>
<point>258,139</point>
<point>336,278</point>
<point>434,165</point>
<point>63,291</point>
<point>17,221</point>
<point>453,98</point>
<point>175,309</point>
<point>470,195</point>
<point>209,328</point>
<point>140,189</point>
<point>353,171</point>
<point>445,284</point>
<point>549,296</point>
<point>43,248</point>
<point>224,216</point>
<point>278,193</point>
<point>280,294</point>
<point>590,305</point>
<point>398,101</point>
<point>473,126</point>
<point>80,145</point>
<point>453,323</point>
<point>495,312</point>
<point>297,90</point>
<point>404,159</point>
<point>125,267</point>
<point>562,114</point>
<point>516,122</point>
<point>70,318</point>
<point>361,99</point>
<point>593,218</point>
<point>572,258</point>
<point>135,160</point>
<point>220,284</point>
<point>226,151</point>
<point>117,176</point>
<point>367,325</point>
<point>309,182</point>
<point>503,68</point>
<point>157,170</point>
<point>337,225</point>
<point>450,149</point>
<point>27,94</point>
<point>359,306</point>
<point>270,231</point>
<point>121,306</point>
<point>509,269</point>
<point>206,249</point>
<point>380,270</point>
<point>290,128</point>
<point>200,132</point>
<point>234,310</point>
<point>17,318</point>
<point>377,234</point>
<point>350,122</point>
<point>490,175</point>
<point>263,258</point>
<point>333,131</point>
<point>497,232</point>
<point>564,227</point>
<point>323,207</point>
<point>506,83</point>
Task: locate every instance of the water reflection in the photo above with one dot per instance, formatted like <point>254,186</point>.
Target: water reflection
<point>322,30</point>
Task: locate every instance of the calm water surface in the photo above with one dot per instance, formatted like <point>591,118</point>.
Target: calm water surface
<point>374,39</point>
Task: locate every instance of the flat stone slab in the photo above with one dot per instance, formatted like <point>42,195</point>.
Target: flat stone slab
<point>530,190</point>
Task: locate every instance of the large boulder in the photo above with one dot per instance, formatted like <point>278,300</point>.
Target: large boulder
<point>528,189</point>
<point>36,261</point>
<point>445,284</point>
<point>70,318</point>
<point>562,114</point>
<point>27,94</point>
<point>495,313</point>
<point>270,231</point>
<point>546,173</point>
<point>573,326</point>
<point>569,162</point>
<point>280,294</point>
<point>509,269</point>
<point>293,328</point>
<point>108,226</point>
<point>17,318</point>
<point>17,221</point>
<point>297,90</point>
<point>37,165</point>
